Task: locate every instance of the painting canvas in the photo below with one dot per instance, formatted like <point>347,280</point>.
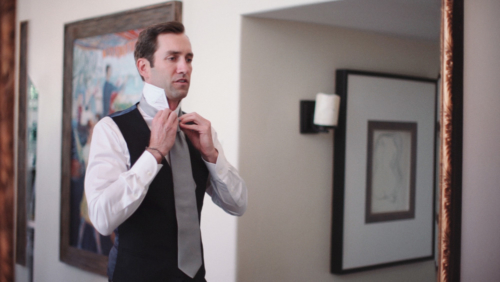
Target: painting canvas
<point>105,80</point>
<point>390,187</point>
<point>32,126</point>
<point>100,78</point>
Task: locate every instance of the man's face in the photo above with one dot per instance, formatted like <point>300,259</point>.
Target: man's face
<point>108,73</point>
<point>172,65</point>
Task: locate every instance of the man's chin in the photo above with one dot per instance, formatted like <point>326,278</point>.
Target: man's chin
<point>178,95</point>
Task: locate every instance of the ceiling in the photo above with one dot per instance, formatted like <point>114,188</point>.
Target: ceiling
<point>408,18</point>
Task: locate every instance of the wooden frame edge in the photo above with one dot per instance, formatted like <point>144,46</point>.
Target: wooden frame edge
<point>7,179</point>
<point>451,141</point>
<point>22,146</point>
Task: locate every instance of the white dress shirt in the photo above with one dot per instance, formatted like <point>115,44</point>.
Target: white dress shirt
<point>114,190</point>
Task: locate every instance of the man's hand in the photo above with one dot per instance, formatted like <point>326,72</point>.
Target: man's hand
<point>199,132</point>
<point>163,132</point>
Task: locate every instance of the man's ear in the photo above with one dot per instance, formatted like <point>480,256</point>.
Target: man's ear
<point>144,67</point>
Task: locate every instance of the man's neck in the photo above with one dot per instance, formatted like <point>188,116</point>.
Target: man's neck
<point>173,104</point>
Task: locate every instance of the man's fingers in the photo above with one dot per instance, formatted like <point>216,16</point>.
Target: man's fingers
<point>162,116</point>
<point>172,119</point>
<point>191,117</point>
<point>194,127</point>
<point>165,114</point>
<point>194,121</point>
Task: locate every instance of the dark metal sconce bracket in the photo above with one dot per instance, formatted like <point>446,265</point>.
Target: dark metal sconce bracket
<point>307,125</point>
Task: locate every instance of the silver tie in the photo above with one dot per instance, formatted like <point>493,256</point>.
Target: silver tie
<point>188,234</point>
<point>188,226</point>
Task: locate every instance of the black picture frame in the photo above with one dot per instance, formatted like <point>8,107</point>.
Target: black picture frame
<point>345,209</point>
<point>131,20</point>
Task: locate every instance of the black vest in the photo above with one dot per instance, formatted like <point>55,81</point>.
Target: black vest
<point>145,247</point>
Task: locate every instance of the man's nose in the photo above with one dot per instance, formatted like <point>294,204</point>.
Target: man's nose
<point>182,66</point>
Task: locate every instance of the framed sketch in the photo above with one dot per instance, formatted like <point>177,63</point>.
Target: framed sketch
<point>390,171</point>
<point>384,171</point>
<point>100,78</point>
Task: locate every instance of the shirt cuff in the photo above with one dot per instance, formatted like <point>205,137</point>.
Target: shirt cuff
<point>219,169</point>
<point>146,167</point>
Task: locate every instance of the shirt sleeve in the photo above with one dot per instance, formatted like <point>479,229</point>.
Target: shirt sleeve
<point>225,185</point>
<point>114,190</point>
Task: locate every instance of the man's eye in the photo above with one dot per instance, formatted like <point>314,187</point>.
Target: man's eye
<point>189,60</point>
<point>171,58</point>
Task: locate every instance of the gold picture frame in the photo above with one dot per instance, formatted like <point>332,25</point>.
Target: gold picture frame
<point>451,124</point>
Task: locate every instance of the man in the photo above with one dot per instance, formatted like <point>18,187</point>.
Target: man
<point>146,179</point>
<point>107,90</point>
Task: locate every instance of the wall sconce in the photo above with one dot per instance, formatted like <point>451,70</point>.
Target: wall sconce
<point>320,115</point>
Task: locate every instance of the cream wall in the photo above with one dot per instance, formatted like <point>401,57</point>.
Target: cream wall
<point>481,137</point>
<point>285,234</point>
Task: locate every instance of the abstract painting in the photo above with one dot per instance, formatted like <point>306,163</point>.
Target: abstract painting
<point>105,80</point>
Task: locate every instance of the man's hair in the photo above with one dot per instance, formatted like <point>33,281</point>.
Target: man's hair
<point>147,43</point>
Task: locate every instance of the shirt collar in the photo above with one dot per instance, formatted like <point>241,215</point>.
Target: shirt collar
<point>156,98</point>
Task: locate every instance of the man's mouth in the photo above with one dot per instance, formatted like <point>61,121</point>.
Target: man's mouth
<point>182,80</point>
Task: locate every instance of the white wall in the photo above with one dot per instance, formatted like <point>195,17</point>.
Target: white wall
<point>481,137</point>
<point>285,234</point>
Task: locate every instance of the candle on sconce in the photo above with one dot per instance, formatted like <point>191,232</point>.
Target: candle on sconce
<point>326,111</point>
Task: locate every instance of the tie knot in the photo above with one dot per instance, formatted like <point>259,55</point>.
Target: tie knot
<point>178,127</point>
